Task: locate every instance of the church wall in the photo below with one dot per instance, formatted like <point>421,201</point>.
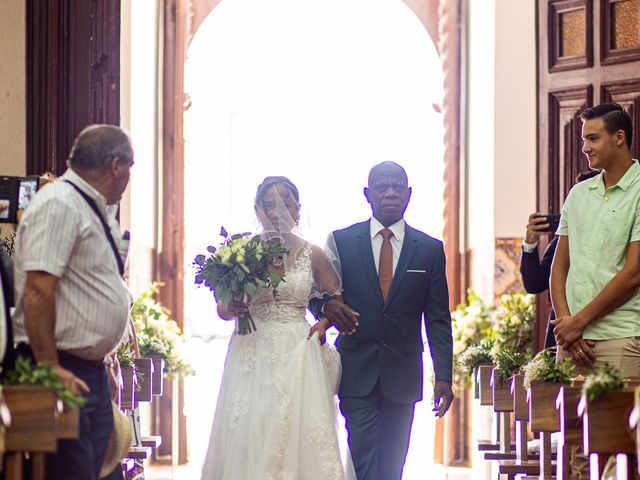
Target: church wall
<point>139,117</point>
<point>481,142</point>
<point>515,117</point>
<point>501,139</point>
<point>12,88</point>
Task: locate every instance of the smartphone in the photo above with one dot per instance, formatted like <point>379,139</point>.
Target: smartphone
<point>28,189</point>
<point>15,195</point>
<point>553,219</point>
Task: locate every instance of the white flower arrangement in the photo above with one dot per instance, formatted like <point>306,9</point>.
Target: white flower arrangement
<point>544,368</point>
<point>158,333</point>
<point>514,322</point>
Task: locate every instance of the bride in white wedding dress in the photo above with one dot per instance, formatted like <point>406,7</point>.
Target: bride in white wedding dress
<point>276,417</point>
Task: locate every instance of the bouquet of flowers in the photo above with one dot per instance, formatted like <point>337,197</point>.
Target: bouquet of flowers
<point>236,269</point>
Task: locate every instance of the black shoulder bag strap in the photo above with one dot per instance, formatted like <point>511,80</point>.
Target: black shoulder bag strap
<point>107,230</point>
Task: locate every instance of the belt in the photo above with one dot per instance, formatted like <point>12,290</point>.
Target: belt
<point>24,349</point>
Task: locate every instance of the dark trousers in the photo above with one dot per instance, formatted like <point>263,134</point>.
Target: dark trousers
<point>81,459</point>
<point>379,432</point>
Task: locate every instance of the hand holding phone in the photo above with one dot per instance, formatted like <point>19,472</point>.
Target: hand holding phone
<point>547,223</point>
<point>540,224</point>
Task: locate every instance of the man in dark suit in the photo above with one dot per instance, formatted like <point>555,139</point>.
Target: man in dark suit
<point>392,276</point>
<point>536,271</point>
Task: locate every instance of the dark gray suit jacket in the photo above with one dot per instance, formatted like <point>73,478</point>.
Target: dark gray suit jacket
<point>388,345</point>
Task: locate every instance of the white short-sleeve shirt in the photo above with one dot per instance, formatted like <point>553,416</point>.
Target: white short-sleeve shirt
<point>60,234</point>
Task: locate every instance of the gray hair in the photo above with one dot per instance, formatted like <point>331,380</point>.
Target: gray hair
<point>96,147</point>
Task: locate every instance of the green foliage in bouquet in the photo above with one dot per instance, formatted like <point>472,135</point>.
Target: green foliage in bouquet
<point>43,374</point>
<point>241,265</point>
<point>543,368</point>
<point>159,334</point>
<point>605,378</point>
<point>513,322</point>
<point>508,361</point>
<point>475,355</point>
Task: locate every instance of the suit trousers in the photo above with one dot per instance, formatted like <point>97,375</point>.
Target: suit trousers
<point>379,432</point>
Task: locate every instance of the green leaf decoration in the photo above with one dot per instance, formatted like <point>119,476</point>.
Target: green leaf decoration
<point>605,378</point>
<point>544,368</point>
<point>508,361</point>
<point>25,373</point>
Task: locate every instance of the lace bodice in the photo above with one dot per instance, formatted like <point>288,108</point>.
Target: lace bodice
<point>292,295</point>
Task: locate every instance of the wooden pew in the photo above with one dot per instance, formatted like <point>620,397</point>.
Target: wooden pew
<point>524,463</point>
<point>521,417</point>
<point>33,429</point>
<point>544,420</point>
<point>482,381</point>
<point>570,426</point>
<point>153,441</point>
<point>144,371</point>
<point>502,406</point>
<point>128,399</point>
<point>605,424</point>
<point>484,384</point>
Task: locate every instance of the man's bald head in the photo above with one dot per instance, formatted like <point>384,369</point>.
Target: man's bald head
<point>385,169</point>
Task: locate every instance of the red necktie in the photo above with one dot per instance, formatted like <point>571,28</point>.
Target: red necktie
<point>385,267</point>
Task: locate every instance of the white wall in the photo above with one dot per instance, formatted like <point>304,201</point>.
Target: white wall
<point>501,143</point>
<point>481,142</point>
<point>12,87</point>
<point>139,116</point>
<point>515,116</point>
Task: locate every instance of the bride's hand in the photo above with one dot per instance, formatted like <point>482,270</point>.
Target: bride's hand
<point>320,328</point>
<point>232,310</point>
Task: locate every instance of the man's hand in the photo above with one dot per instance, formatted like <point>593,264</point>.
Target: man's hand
<point>442,397</point>
<point>536,226</point>
<point>73,383</point>
<point>340,315</point>
<point>320,328</point>
<point>581,352</point>
<point>568,329</point>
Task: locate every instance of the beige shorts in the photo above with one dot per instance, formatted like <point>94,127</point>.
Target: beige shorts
<point>621,353</point>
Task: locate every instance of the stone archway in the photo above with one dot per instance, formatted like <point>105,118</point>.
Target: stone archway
<point>441,19</point>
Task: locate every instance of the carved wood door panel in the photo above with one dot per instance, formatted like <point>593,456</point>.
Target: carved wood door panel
<point>588,53</point>
<point>73,75</point>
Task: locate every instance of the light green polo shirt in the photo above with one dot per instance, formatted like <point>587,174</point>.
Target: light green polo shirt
<point>600,225</point>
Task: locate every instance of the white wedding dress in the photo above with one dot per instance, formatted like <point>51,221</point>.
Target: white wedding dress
<point>276,414</point>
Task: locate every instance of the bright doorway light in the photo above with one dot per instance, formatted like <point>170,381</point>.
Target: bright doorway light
<point>319,91</point>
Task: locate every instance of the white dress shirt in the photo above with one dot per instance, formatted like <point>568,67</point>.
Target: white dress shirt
<point>529,247</point>
<point>396,241</point>
<point>61,235</point>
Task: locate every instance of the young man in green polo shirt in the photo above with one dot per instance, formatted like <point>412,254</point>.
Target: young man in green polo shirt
<point>596,268</point>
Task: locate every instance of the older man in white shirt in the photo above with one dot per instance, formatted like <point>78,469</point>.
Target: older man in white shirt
<point>72,304</point>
